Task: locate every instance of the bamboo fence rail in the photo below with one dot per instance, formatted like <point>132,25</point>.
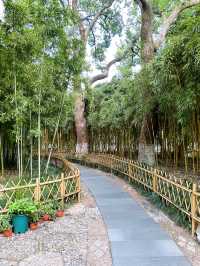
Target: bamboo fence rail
<point>182,193</point>
<point>43,190</point>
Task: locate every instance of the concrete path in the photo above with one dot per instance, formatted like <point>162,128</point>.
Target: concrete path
<point>135,238</point>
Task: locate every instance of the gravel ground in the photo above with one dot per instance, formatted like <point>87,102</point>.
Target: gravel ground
<point>78,239</point>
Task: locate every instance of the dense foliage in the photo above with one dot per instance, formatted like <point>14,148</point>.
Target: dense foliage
<point>44,52</point>
<point>173,85</point>
<point>38,59</point>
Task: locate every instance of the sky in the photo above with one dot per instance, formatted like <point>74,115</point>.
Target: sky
<point>1,9</point>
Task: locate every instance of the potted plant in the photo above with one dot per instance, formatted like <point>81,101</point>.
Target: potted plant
<point>5,226</point>
<point>21,210</point>
<point>48,212</point>
<point>34,219</point>
<point>59,209</point>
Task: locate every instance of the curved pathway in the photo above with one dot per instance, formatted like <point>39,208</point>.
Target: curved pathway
<point>135,238</point>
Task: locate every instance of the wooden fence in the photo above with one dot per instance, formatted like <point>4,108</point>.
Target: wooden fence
<point>45,189</point>
<point>184,194</point>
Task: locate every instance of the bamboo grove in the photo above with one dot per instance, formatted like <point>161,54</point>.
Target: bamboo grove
<point>39,57</point>
<point>172,80</point>
<point>48,102</point>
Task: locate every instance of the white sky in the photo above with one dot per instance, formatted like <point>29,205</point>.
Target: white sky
<point>1,9</point>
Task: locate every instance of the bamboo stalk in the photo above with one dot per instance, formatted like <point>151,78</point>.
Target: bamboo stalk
<point>193,208</point>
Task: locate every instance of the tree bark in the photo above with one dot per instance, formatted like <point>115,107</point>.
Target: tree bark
<point>147,43</point>
<point>81,125</point>
<point>146,153</point>
<point>79,104</point>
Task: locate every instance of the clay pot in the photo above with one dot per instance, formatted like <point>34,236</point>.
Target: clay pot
<point>46,217</point>
<point>7,233</point>
<point>33,226</point>
<point>60,213</point>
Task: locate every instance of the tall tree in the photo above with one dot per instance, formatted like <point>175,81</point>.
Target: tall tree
<point>95,18</point>
<point>149,46</point>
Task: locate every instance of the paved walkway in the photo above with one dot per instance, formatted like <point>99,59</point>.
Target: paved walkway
<point>135,238</point>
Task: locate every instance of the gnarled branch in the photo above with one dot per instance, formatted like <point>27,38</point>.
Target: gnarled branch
<point>106,71</point>
<point>172,18</point>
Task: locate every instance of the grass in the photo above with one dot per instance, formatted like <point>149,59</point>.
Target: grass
<point>49,190</point>
<point>52,171</point>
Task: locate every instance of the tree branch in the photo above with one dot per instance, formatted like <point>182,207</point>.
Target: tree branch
<point>98,15</point>
<point>172,18</point>
<point>62,3</point>
<point>143,4</point>
<point>74,4</point>
<point>106,71</point>
<point>87,18</point>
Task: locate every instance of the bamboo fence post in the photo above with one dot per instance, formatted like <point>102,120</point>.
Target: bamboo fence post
<point>62,190</point>
<point>111,165</point>
<point>129,171</point>
<point>193,207</point>
<point>79,186</point>
<point>37,193</point>
<point>155,181</point>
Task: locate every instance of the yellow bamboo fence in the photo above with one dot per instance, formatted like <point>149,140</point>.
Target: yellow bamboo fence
<point>184,194</point>
<point>61,187</point>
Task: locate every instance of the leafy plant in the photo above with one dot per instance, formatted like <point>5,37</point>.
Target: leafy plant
<point>5,222</point>
<point>35,216</point>
<point>48,209</point>
<point>57,205</point>
<point>22,206</point>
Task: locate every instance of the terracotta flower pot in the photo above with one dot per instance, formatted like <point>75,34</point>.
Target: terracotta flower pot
<point>60,213</point>
<point>33,226</point>
<point>46,217</point>
<point>7,233</point>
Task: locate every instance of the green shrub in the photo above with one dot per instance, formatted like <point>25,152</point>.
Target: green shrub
<point>4,222</point>
<point>48,209</point>
<point>35,217</point>
<point>22,206</point>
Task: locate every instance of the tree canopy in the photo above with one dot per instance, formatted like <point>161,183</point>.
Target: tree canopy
<point>47,47</point>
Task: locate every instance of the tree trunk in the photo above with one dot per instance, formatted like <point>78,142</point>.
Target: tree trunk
<point>146,152</point>
<point>81,125</point>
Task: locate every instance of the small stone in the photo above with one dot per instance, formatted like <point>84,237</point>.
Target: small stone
<point>43,259</point>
